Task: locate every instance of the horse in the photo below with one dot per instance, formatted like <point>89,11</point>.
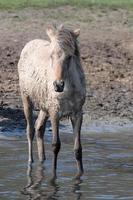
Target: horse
<point>52,79</point>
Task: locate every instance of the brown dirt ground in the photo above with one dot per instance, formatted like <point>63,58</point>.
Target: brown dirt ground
<point>106,44</point>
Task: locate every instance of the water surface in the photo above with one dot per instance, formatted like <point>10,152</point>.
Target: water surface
<point>108,164</point>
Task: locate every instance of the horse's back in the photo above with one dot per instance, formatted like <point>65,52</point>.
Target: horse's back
<point>33,49</point>
<point>34,44</point>
<point>31,67</point>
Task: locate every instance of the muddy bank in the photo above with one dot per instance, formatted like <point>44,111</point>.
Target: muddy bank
<point>106,50</point>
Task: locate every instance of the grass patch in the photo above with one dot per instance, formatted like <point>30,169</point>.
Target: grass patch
<point>14,4</point>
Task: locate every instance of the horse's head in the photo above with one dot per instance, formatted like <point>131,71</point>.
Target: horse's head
<point>63,48</point>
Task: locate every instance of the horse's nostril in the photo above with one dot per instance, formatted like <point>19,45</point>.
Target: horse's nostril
<point>58,86</point>
<point>61,83</point>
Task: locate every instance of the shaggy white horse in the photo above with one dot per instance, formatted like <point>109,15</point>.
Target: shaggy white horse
<point>51,78</point>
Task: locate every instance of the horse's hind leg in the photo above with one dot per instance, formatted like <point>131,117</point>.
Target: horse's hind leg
<point>56,144</point>
<point>30,128</point>
<point>39,129</point>
<point>76,123</point>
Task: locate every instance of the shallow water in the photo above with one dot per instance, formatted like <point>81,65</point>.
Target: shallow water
<point>108,164</point>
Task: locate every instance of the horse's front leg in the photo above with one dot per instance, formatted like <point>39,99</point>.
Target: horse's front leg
<point>56,144</point>
<point>39,130</point>
<point>76,123</point>
<point>30,127</point>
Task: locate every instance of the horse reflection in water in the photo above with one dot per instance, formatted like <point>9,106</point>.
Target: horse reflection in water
<point>36,188</point>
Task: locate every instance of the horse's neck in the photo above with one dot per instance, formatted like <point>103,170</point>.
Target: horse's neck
<point>75,74</point>
<point>76,66</point>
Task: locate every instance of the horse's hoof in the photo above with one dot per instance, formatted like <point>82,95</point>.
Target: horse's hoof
<point>78,176</point>
<point>30,162</point>
<point>42,160</point>
<point>53,179</point>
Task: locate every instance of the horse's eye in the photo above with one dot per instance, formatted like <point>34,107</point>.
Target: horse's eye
<point>51,56</point>
<point>59,54</point>
<point>68,58</point>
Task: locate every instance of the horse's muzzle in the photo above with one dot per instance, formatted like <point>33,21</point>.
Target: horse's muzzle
<point>59,86</point>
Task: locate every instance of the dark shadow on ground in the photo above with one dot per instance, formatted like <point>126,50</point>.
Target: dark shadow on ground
<point>13,123</point>
<point>11,118</point>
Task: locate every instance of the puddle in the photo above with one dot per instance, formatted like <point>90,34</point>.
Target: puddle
<point>107,158</point>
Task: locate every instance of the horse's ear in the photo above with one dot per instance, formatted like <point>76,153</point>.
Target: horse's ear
<point>50,32</point>
<point>76,32</point>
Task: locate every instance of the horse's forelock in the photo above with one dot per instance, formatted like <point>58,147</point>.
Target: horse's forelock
<point>67,40</point>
